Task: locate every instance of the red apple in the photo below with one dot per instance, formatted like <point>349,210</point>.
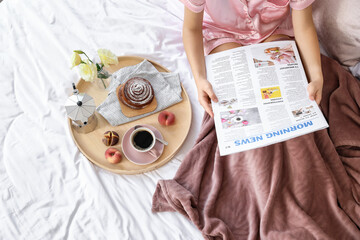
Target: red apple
<point>166,118</point>
<point>113,155</point>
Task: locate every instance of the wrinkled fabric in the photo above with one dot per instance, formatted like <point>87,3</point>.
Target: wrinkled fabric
<point>304,188</point>
<point>244,22</point>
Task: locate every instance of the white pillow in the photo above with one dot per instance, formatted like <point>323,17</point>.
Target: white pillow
<point>337,23</point>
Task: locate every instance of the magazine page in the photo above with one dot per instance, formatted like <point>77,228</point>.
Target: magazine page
<point>263,98</point>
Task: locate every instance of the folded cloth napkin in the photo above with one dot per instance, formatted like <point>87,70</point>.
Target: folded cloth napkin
<point>166,87</point>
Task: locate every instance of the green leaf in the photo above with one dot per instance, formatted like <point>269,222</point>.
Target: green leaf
<point>98,67</point>
<point>79,51</point>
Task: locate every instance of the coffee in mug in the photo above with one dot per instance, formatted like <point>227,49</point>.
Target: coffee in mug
<point>142,139</point>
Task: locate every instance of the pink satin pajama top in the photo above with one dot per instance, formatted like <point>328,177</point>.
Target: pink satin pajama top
<point>244,21</point>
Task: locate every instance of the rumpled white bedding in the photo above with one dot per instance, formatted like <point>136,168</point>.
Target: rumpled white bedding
<point>48,189</point>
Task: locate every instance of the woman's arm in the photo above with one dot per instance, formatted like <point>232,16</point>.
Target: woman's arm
<point>307,41</point>
<point>193,43</point>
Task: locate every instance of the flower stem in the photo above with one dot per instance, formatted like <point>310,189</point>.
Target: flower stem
<point>103,83</point>
<point>88,57</point>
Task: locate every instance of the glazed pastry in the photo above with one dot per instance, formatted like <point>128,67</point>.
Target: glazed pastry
<point>110,138</point>
<point>136,93</point>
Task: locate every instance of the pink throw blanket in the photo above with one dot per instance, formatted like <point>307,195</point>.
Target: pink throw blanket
<point>304,188</point>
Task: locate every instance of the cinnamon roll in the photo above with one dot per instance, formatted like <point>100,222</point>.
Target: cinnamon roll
<point>136,93</point>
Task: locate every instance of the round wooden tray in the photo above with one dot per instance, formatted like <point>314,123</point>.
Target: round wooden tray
<point>90,144</point>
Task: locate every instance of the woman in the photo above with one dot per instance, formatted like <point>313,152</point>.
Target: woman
<point>232,23</point>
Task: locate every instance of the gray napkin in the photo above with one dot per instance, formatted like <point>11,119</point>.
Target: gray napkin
<point>166,87</point>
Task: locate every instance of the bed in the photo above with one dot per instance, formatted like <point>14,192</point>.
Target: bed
<point>49,190</point>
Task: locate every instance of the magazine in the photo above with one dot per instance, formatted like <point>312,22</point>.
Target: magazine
<point>263,98</point>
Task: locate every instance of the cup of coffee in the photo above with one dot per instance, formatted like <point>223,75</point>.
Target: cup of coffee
<point>142,139</point>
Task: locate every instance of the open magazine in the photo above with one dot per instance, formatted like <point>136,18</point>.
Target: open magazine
<point>263,98</point>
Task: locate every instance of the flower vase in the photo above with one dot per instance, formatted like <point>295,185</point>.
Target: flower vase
<point>102,83</point>
<point>103,78</point>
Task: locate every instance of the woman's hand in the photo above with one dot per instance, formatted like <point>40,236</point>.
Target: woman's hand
<point>315,90</point>
<point>205,95</point>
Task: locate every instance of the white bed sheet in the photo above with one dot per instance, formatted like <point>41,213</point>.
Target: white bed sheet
<point>48,189</point>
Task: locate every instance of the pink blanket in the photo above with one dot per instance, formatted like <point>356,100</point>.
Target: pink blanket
<point>304,188</point>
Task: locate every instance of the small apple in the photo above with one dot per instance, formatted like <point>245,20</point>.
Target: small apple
<point>166,118</point>
<point>113,155</point>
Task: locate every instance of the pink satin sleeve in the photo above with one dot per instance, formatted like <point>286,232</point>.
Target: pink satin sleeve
<point>300,4</point>
<point>194,5</point>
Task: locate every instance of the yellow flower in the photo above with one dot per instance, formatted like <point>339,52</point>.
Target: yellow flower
<point>107,57</point>
<point>75,59</point>
<point>88,71</point>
